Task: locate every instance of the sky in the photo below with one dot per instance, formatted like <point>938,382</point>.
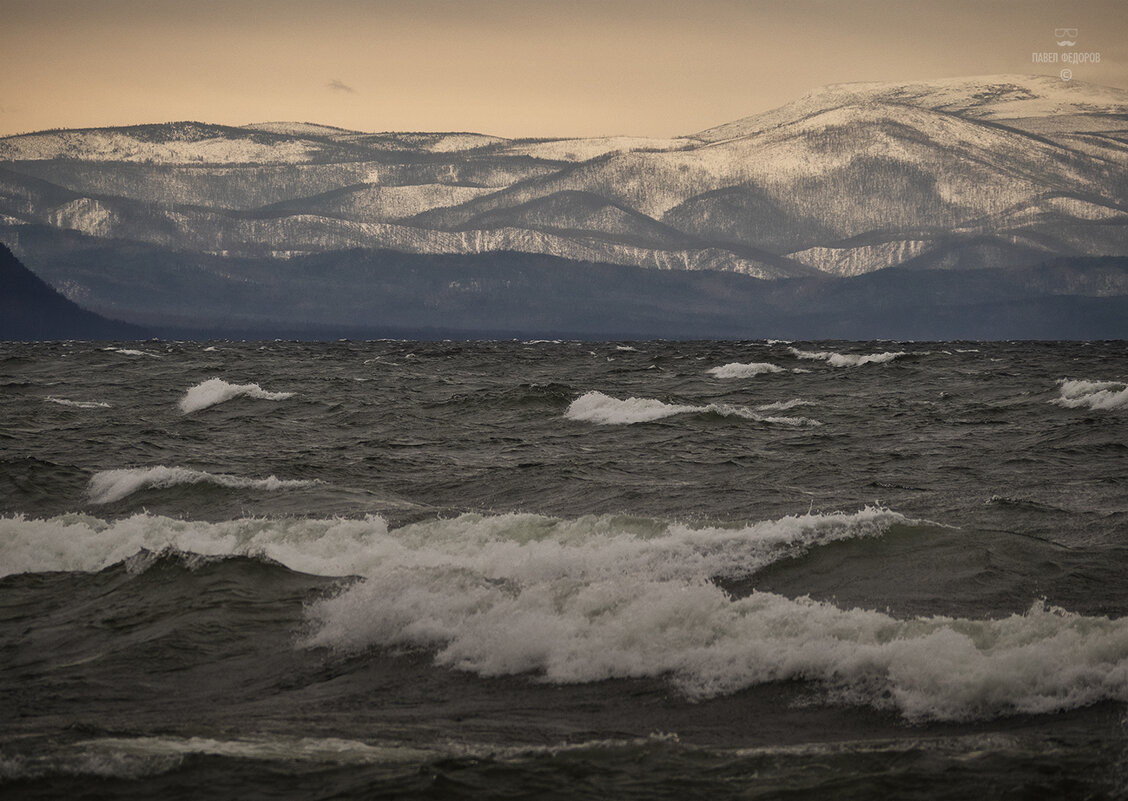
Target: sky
<point>513,68</point>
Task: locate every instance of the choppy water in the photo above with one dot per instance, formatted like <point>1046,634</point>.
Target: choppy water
<point>564,570</point>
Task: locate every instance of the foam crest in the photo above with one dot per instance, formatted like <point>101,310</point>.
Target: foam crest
<point>848,359</point>
<point>215,391</point>
<point>77,404</point>
<point>738,370</point>
<point>594,599</point>
<point>595,407</point>
<point>109,486</point>
<point>132,352</point>
<point>1096,395</point>
<point>544,547</point>
<point>614,597</point>
<point>782,406</point>
<point>83,543</point>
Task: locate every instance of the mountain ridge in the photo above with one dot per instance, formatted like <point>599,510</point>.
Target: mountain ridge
<point>989,172</point>
<point>30,309</point>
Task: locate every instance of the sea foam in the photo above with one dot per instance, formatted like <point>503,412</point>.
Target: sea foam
<point>109,486</point>
<point>616,597</point>
<point>596,599</point>
<point>215,391</point>
<point>1096,395</point>
<point>541,547</point>
<point>77,404</point>
<point>848,359</point>
<point>595,407</point>
<point>132,352</point>
<point>738,370</point>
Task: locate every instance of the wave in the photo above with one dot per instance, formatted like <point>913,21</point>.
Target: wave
<point>141,757</point>
<point>144,756</point>
<point>738,370</point>
<point>604,597</point>
<point>132,352</point>
<point>590,601</point>
<point>1096,395</point>
<point>341,547</point>
<point>783,406</point>
<point>109,486</point>
<point>848,359</point>
<point>77,404</point>
<point>595,407</point>
<point>215,391</point>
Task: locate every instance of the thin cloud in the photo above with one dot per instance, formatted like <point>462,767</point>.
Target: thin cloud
<point>340,86</point>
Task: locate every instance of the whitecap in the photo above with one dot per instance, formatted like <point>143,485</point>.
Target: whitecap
<point>738,370</point>
<point>782,406</point>
<point>77,404</point>
<point>848,359</point>
<point>132,352</point>
<point>1096,395</point>
<point>593,599</point>
<point>109,486</point>
<point>543,546</point>
<point>215,391</point>
<point>595,407</point>
<point>614,597</point>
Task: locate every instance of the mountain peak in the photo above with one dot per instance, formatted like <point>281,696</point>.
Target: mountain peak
<point>300,129</point>
<point>983,97</point>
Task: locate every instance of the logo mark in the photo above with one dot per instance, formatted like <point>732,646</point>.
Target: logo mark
<point>1066,37</point>
<point>1066,74</point>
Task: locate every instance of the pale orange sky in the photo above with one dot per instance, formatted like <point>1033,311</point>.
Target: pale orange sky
<point>506,67</point>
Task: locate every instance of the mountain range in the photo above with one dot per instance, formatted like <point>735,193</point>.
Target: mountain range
<point>861,210</point>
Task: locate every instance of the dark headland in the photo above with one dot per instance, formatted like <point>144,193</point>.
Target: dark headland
<point>32,310</point>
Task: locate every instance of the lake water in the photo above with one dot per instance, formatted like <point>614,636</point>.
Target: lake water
<point>564,569</point>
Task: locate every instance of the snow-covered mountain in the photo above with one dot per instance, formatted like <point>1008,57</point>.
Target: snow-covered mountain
<point>988,172</point>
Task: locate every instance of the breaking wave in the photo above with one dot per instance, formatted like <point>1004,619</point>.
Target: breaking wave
<point>109,486</point>
<point>133,352</point>
<point>1096,395</point>
<point>738,370</point>
<point>595,407</point>
<point>595,598</point>
<point>215,391</point>
<point>340,547</point>
<point>848,359</point>
<point>601,598</point>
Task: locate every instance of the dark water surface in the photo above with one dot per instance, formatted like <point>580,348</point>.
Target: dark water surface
<point>564,570</point>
